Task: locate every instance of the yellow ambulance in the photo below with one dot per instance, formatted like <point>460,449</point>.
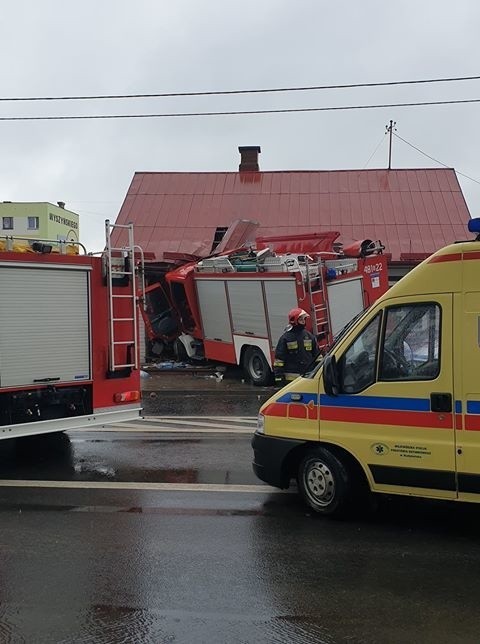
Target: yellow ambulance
<point>394,407</point>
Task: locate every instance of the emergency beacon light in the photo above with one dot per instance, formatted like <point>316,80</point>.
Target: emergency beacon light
<point>474,225</point>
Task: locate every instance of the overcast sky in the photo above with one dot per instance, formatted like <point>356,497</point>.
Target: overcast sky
<point>98,47</point>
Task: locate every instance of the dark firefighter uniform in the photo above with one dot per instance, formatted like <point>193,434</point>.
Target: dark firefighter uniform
<point>296,349</point>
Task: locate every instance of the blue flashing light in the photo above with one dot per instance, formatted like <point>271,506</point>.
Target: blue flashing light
<point>331,274</point>
<point>474,225</point>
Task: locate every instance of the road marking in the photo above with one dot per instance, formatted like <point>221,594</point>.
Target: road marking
<point>234,419</point>
<point>161,429</point>
<point>158,487</point>
<point>158,430</point>
<point>181,420</point>
<point>181,424</point>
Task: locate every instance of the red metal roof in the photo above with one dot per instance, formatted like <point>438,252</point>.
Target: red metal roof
<point>413,212</point>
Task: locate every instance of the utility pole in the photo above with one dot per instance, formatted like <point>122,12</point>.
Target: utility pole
<point>389,129</point>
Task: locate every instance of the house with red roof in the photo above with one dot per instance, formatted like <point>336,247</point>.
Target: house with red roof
<point>412,211</point>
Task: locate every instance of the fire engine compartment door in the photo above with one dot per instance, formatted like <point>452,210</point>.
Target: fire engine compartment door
<point>212,300</point>
<point>345,300</point>
<point>44,325</point>
<point>247,307</point>
<point>280,296</point>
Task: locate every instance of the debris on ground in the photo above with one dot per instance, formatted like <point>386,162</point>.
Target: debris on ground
<point>177,367</point>
<point>217,376</point>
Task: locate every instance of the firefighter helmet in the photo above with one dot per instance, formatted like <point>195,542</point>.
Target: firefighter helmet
<point>295,314</point>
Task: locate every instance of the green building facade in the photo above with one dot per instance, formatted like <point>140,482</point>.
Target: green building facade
<point>38,220</point>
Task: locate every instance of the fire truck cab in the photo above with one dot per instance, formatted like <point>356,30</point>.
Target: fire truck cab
<point>394,407</point>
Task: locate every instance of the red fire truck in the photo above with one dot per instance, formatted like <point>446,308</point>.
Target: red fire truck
<point>68,336</point>
<point>232,307</point>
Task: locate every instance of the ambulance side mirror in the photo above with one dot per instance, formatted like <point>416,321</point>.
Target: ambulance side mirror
<point>330,376</point>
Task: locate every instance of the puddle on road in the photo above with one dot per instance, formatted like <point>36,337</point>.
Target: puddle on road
<point>54,458</point>
<point>183,475</point>
<point>261,509</point>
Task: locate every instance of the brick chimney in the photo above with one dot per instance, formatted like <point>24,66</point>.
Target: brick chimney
<point>249,158</point>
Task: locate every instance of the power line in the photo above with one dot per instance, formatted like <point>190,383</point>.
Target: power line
<point>264,90</point>
<point>433,159</point>
<point>374,152</point>
<point>235,112</point>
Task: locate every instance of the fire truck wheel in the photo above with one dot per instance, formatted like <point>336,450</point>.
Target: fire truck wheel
<point>324,482</point>
<point>256,367</point>
<point>181,354</point>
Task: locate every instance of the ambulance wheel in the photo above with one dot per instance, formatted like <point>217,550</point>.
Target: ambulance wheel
<point>324,482</point>
<point>256,367</point>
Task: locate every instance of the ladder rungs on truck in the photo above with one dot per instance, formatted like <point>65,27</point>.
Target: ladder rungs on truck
<point>117,324</point>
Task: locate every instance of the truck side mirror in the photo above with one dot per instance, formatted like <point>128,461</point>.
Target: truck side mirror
<point>330,376</point>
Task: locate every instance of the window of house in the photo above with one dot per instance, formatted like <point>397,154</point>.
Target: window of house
<point>219,235</point>
<point>33,223</point>
<point>7,223</point>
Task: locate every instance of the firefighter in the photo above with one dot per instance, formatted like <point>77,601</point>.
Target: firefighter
<point>296,349</point>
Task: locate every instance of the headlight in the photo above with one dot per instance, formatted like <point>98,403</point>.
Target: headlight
<point>261,424</point>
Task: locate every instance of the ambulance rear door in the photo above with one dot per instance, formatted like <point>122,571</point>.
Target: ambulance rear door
<point>467,319</point>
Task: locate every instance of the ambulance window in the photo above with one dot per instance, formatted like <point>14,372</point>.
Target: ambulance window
<point>357,365</point>
<point>411,345</point>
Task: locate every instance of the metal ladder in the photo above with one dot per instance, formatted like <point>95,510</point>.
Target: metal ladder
<point>114,272</point>
<point>321,310</point>
<point>324,310</point>
<point>321,313</point>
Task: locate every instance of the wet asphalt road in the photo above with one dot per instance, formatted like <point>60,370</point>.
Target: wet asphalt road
<point>161,533</point>
<point>202,394</point>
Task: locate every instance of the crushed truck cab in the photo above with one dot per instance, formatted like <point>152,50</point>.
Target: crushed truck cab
<point>394,407</point>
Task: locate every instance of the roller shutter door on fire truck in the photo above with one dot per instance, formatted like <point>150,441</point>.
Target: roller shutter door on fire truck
<point>247,307</point>
<point>345,298</point>
<point>259,307</point>
<point>212,300</point>
<point>44,325</point>
<point>247,299</point>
